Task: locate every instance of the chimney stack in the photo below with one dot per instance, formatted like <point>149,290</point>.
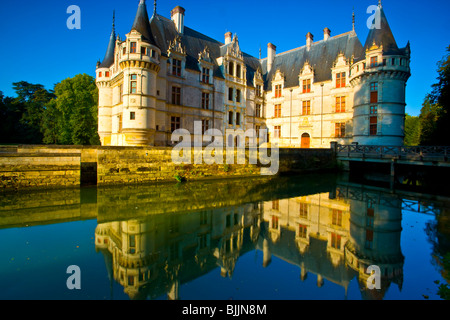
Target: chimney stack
<point>271,52</point>
<point>326,34</point>
<point>228,36</point>
<point>177,16</point>
<point>309,40</point>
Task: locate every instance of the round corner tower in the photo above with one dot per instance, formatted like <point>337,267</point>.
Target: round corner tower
<point>379,82</point>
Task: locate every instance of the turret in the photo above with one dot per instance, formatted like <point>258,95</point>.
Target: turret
<point>140,65</point>
<point>105,103</point>
<point>379,82</point>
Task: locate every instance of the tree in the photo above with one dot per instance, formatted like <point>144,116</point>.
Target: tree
<point>21,117</point>
<point>412,130</point>
<point>435,114</point>
<point>72,117</point>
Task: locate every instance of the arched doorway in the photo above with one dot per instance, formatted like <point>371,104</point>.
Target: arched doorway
<point>306,141</point>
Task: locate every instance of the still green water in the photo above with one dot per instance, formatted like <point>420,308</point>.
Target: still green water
<point>290,238</point>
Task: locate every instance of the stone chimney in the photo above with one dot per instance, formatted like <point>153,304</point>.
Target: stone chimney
<point>271,52</point>
<point>309,40</point>
<point>326,34</point>
<point>177,16</point>
<point>228,37</point>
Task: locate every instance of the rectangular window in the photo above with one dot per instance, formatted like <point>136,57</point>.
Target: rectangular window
<point>306,108</point>
<point>258,90</point>
<point>205,100</point>
<point>277,111</point>
<point>132,115</point>
<point>307,86</point>
<point>205,125</point>
<point>340,104</point>
<point>132,243</point>
<point>176,95</point>
<point>337,217</point>
<point>124,51</point>
<point>302,231</point>
<point>339,129</point>
<point>143,51</point>
<point>373,126</point>
<point>205,75</point>
<point>133,47</point>
<point>373,62</point>
<point>231,68</point>
<point>274,222</point>
<point>230,117</point>
<point>175,123</point>
<point>238,119</point>
<point>238,95</point>
<point>230,94</point>
<point>369,239</point>
<point>278,91</point>
<point>275,204</point>
<point>238,70</point>
<point>176,67</point>
<point>340,80</point>
<point>374,92</point>
<point>277,132</point>
<point>133,83</point>
<point>303,210</point>
<point>106,73</point>
<point>121,93</point>
<point>335,241</point>
<point>100,74</point>
<point>258,110</point>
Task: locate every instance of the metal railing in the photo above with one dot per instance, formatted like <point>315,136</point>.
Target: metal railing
<point>419,153</point>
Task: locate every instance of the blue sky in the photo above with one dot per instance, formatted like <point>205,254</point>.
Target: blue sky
<point>38,47</point>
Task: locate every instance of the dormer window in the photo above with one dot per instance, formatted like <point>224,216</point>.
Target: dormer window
<point>340,80</point>
<point>238,95</point>
<point>176,67</point>
<point>124,51</point>
<point>238,71</point>
<point>133,47</point>
<point>106,73</point>
<point>205,75</point>
<point>278,91</point>
<point>258,90</point>
<point>307,86</point>
<point>231,68</point>
<point>373,62</point>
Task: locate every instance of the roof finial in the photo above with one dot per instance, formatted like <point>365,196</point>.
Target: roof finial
<point>353,19</point>
<point>260,52</point>
<point>154,8</point>
<point>379,3</point>
<point>114,19</point>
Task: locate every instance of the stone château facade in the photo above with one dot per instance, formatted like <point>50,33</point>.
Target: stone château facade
<point>164,76</point>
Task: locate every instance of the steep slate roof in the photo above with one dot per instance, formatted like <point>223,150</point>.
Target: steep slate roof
<point>382,36</point>
<point>108,60</point>
<point>141,23</point>
<point>194,42</point>
<point>321,57</point>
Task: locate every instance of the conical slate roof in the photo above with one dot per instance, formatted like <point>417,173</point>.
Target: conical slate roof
<point>108,60</point>
<point>142,23</point>
<point>382,35</point>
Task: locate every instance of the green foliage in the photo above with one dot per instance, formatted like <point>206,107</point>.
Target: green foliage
<point>21,117</point>
<point>412,130</point>
<point>72,117</point>
<point>67,115</point>
<point>435,113</point>
<point>180,178</point>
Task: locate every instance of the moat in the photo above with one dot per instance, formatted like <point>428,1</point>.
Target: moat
<point>285,238</point>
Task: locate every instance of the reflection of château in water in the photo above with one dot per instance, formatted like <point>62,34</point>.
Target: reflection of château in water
<point>331,235</point>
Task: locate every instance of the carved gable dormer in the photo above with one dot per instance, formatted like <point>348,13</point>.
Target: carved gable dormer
<point>204,56</point>
<point>176,46</point>
<point>234,49</point>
